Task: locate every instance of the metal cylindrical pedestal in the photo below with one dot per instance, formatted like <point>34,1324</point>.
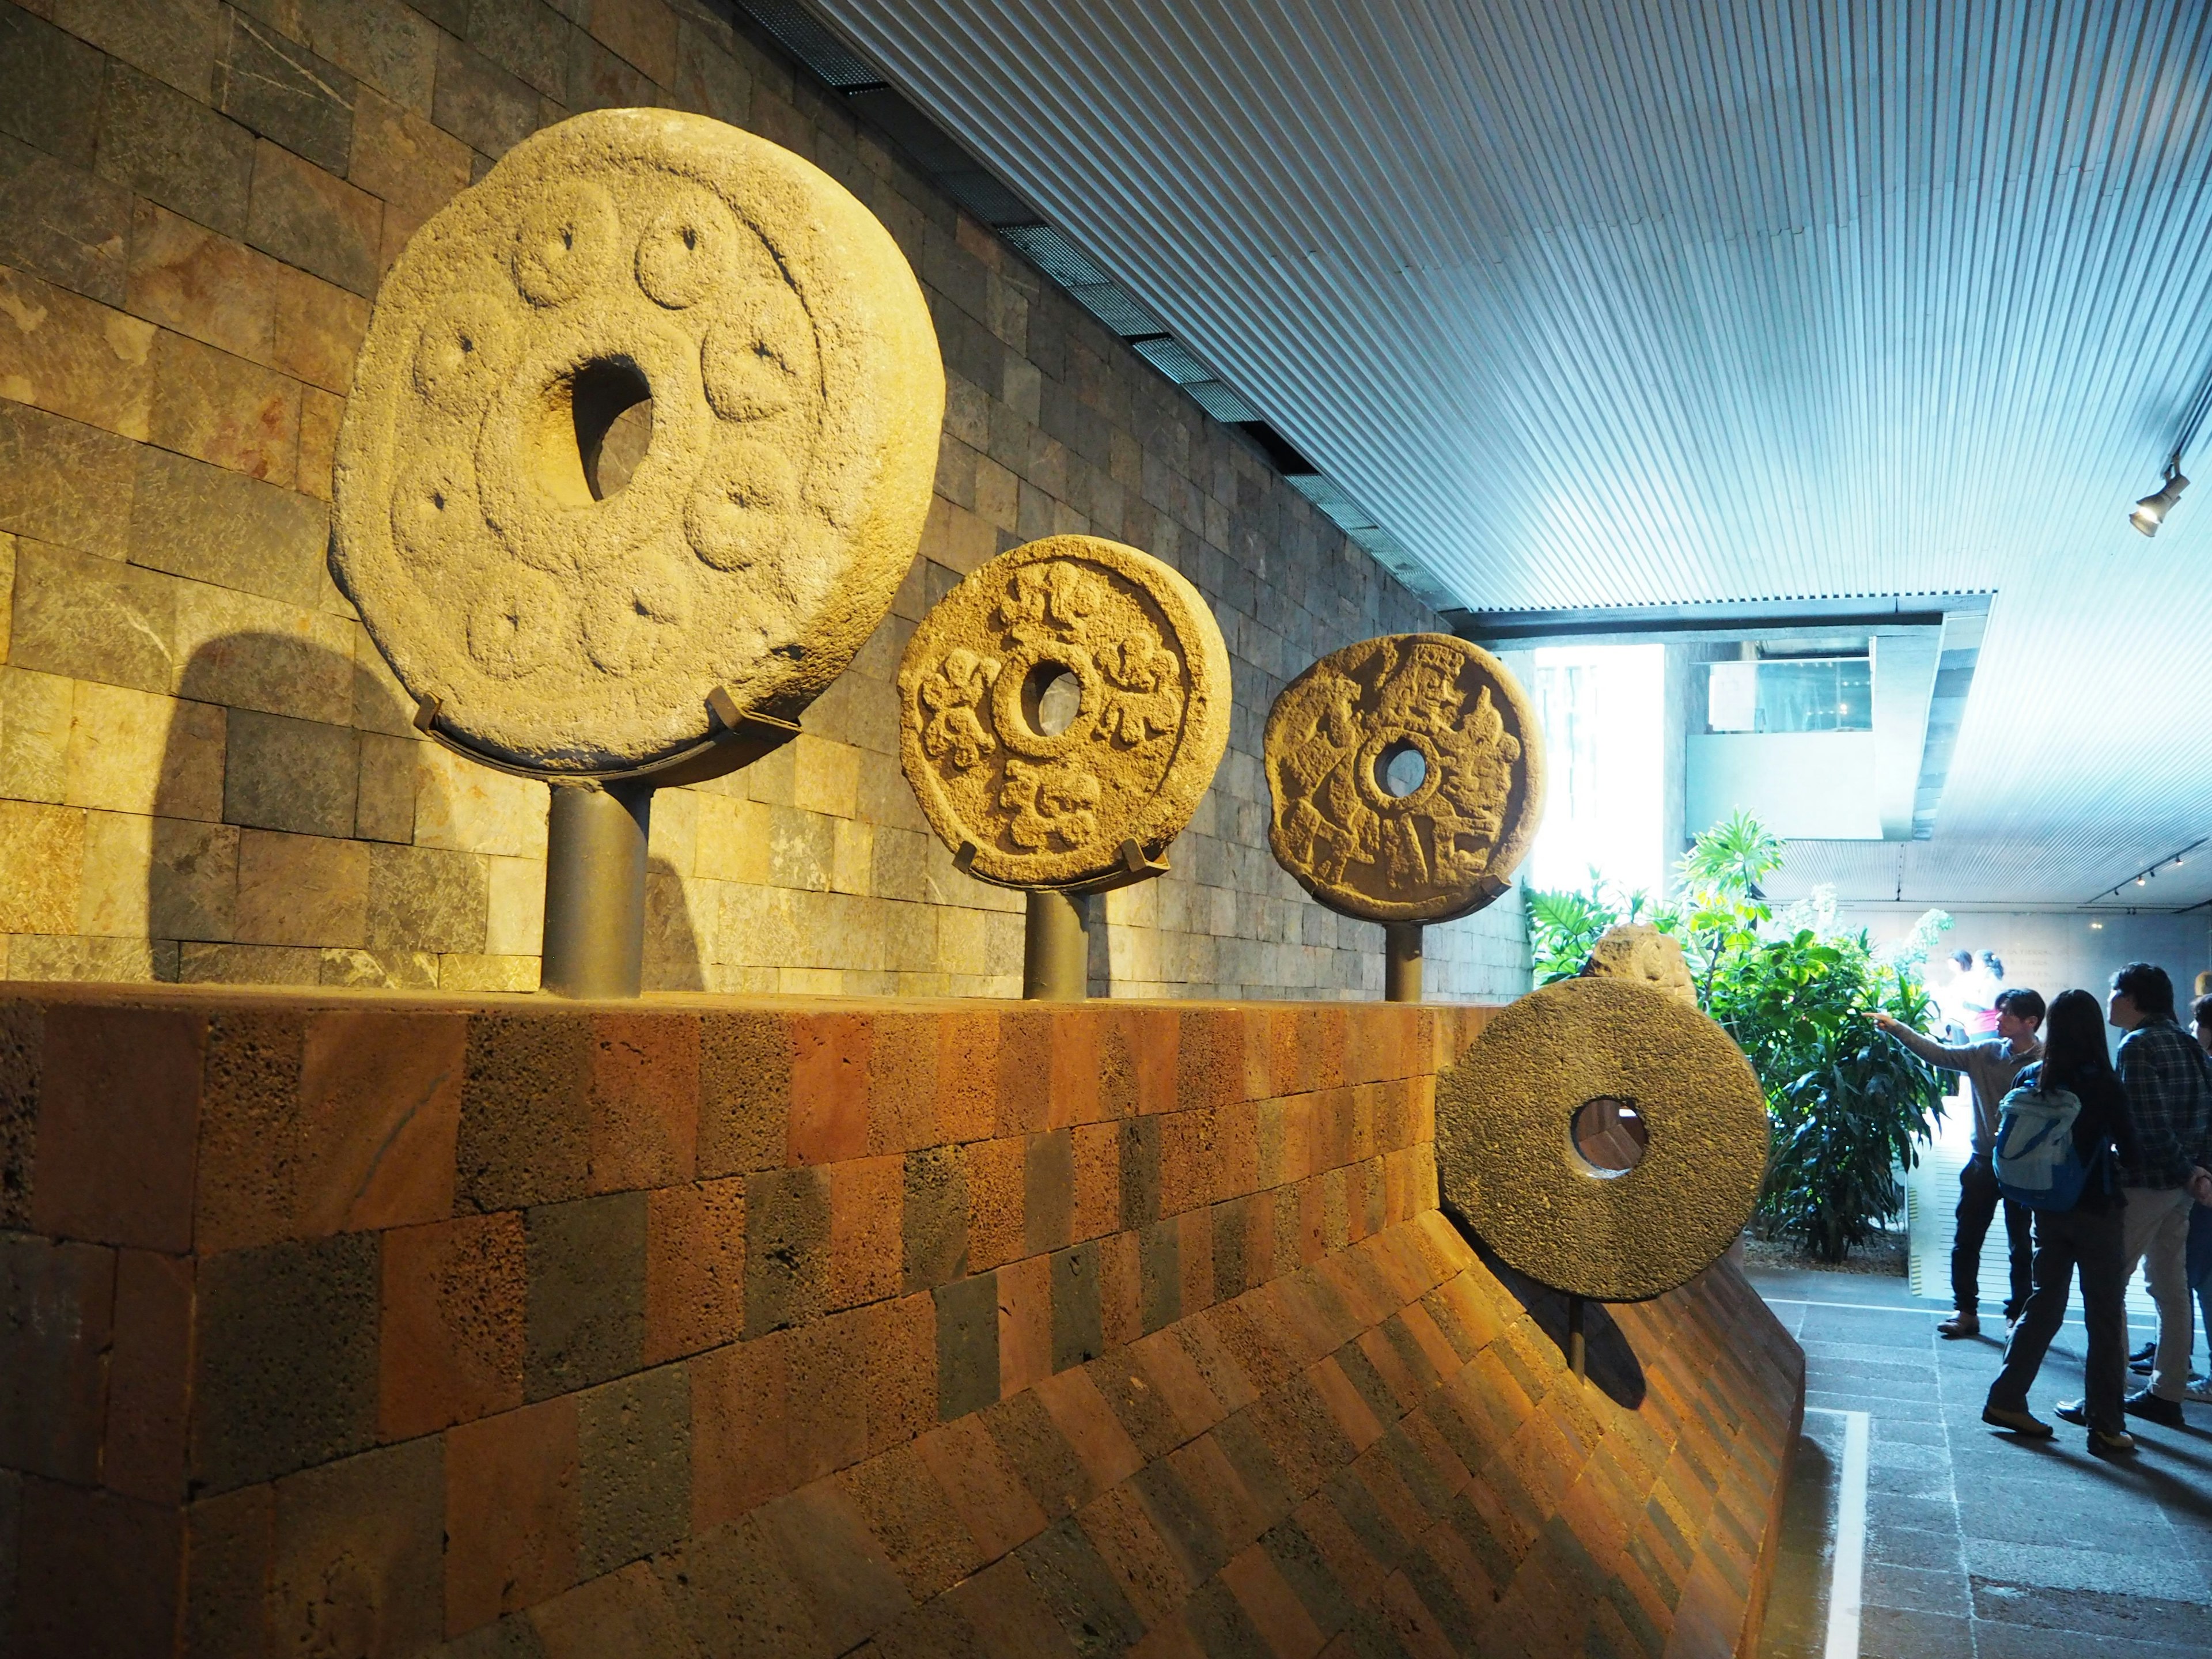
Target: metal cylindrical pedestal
<point>595,840</point>
<point>1055,948</point>
<point>1401,962</point>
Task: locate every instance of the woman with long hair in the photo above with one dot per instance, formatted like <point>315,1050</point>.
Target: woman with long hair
<point>2088,1236</point>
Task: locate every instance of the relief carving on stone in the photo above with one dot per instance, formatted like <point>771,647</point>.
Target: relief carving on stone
<point>1067,699</point>
<point>1406,774</point>
<point>796,397</point>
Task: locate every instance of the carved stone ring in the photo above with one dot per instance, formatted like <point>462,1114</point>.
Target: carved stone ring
<point>1407,776</point>
<point>1062,712</point>
<point>1511,1164</point>
<point>551,616</point>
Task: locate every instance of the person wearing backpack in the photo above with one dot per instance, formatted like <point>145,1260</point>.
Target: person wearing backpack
<point>2168,1084</point>
<point>2076,1085</point>
<point>1991,1064</point>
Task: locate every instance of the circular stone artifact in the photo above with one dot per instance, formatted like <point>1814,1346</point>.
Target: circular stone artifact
<point>1506,1160</point>
<point>1638,950</point>
<point>1067,697</point>
<point>1408,778</point>
<point>794,398</point>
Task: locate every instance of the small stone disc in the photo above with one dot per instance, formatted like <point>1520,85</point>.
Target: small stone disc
<point>1406,774</point>
<point>1506,1156</point>
<point>1067,697</point>
<point>570,588</point>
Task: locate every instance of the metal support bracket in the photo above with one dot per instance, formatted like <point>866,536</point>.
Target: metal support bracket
<point>597,827</point>
<point>1402,961</point>
<point>1056,938</point>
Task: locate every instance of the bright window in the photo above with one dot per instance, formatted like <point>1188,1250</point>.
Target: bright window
<point>1800,693</point>
<point>1602,713</point>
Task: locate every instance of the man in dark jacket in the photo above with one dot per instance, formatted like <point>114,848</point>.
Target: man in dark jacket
<point>2169,1094</point>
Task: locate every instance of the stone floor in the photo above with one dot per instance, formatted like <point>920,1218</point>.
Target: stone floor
<point>1976,1546</point>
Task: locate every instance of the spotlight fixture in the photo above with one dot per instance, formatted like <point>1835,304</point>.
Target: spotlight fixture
<point>2142,878</point>
<point>2150,512</point>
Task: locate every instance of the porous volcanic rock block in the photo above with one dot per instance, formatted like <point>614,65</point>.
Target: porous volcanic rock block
<point>795,1325</point>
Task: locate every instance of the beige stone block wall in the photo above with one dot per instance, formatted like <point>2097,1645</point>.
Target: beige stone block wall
<point>206,772</point>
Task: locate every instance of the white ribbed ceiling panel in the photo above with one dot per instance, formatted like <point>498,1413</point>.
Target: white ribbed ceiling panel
<point>1595,301</point>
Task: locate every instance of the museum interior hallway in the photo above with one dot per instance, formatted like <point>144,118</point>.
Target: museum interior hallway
<point>899,829</point>
<point>1975,1546</point>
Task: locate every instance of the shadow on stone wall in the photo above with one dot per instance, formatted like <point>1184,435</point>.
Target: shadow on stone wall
<point>284,845</point>
<point>1609,1360</point>
<point>671,942</point>
<point>1098,968</point>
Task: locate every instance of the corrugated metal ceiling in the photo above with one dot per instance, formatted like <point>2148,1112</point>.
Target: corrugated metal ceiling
<point>1592,301</point>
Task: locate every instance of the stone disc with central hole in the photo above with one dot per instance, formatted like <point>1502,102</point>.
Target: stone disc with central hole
<point>796,399</point>
<point>1406,774</point>
<point>1506,1160</point>
<point>1047,784</point>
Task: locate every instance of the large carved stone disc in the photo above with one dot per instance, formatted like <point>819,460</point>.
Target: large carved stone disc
<point>796,400</point>
<point>1071,626</point>
<point>1407,776</point>
<point>1507,1160</point>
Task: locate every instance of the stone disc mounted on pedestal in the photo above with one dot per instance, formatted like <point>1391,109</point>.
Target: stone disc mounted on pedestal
<point>1604,1138</point>
<point>1406,774</point>
<point>1066,705</point>
<point>650,413</point>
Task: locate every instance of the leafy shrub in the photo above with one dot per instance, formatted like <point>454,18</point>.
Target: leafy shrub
<point>1848,1105</point>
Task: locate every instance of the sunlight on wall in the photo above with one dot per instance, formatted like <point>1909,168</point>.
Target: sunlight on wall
<point>1601,706</point>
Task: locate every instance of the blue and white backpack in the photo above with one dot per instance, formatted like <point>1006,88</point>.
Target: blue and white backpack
<point>2035,1161</point>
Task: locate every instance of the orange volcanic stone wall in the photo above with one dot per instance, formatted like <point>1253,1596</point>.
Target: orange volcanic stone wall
<point>359,1324</point>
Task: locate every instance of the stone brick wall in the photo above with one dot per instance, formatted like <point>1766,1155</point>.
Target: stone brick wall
<point>352,1324</point>
<point>206,773</point>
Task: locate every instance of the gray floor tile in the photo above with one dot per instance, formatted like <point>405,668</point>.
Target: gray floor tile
<point>1978,1542</point>
<point>1999,1641</point>
<point>2091,1614</point>
<point>1918,1589</point>
<point>1912,1546</point>
<point>2152,1572</point>
<point>1887,1430</point>
<point>1925,1477</point>
<point>1890,1633</point>
<point>1885,1509</point>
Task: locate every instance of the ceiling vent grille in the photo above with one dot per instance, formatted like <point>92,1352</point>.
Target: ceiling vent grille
<point>1054,255</point>
<point>805,36</point>
<point>1222,402</point>
<point>986,198</point>
<point>1172,358</point>
<point>1111,305</point>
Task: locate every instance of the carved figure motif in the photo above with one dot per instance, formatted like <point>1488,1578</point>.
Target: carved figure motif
<point>1406,777</point>
<point>795,397</point>
<point>1145,695</point>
